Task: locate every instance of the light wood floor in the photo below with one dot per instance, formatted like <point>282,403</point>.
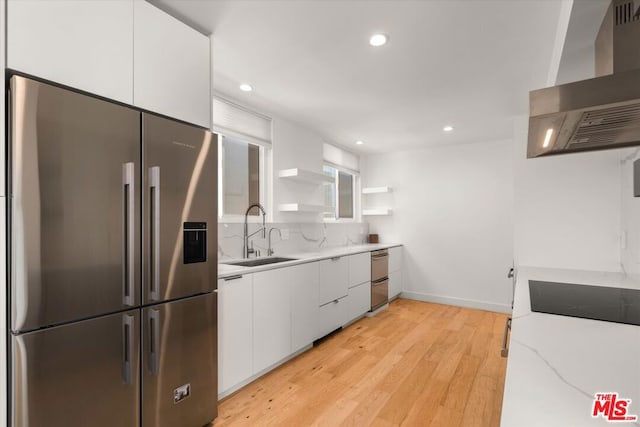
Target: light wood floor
<point>415,364</point>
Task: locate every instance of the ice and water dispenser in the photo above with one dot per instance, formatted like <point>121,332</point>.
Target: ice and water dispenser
<point>195,242</point>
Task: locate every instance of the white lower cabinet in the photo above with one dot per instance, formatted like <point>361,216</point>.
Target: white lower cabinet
<point>265,317</point>
<point>359,268</point>
<point>395,283</point>
<point>304,305</point>
<point>271,317</point>
<point>358,301</point>
<point>334,279</point>
<point>235,326</point>
<point>395,258</point>
<point>331,316</point>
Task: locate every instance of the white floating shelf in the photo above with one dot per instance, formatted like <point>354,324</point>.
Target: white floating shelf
<point>300,207</point>
<point>375,190</point>
<point>302,175</point>
<point>376,212</point>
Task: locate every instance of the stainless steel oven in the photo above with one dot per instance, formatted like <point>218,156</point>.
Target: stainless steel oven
<point>379,278</point>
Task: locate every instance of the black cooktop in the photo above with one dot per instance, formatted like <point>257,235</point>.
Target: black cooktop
<point>618,305</point>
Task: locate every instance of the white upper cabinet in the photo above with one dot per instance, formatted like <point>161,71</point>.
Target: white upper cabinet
<point>172,66</point>
<point>83,44</point>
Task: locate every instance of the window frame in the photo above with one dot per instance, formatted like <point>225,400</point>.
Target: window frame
<point>264,164</point>
<point>355,187</point>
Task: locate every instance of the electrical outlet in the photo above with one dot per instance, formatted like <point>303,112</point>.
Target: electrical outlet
<point>285,233</point>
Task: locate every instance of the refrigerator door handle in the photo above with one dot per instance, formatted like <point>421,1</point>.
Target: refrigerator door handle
<point>128,196</point>
<point>154,234</point>
<point>127,348</point>
<point>154,338</point>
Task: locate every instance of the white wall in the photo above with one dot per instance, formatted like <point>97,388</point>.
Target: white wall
<point>295,147</point>
<point>629,214</point>
<point>453,212</point>
<point>567,208</point>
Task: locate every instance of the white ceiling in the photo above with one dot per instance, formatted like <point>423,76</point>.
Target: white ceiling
<point>465,63</point>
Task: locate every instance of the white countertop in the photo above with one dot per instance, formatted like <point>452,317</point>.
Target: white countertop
<point>557,363</point>
<point>226,270</point>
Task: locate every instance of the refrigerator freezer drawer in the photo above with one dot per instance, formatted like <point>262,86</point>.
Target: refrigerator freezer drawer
<point>179,359</point>
<point>80,374</point>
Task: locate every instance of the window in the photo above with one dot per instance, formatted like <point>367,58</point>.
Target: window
<point>243,149</point>
<point>339,194</point>
<point>240,176</point>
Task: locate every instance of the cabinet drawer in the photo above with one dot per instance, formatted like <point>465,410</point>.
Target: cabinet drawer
<point>331,316</point>
<point>359,268</point>
<point>358,301</point>
<point>334,277</point>
<point>395,258</point>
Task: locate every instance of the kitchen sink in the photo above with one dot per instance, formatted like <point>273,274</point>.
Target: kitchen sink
<point>259,261</point>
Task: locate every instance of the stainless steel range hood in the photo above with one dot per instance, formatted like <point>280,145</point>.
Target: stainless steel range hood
<point>599,113</point>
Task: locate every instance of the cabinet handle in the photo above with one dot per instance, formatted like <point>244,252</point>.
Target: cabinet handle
<point>504,351</point>
<point>510,274</point>
<point>129,201</point>
<point>230,278</point>
<point>127,347</point>
<point>154,233</point>
<point>154,337</point>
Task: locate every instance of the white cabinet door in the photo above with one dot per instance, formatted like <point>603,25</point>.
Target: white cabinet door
<point>395,258</point>
<point>172,61</point>
<point>271,317</point>
<point>304,304</point>
<point>331,316</point>
<point>87,45</point>
<point>334,278</point>
<point>358,301</point>
<point>359,268</point>
<point>235,325</point>
<point>395,283</point>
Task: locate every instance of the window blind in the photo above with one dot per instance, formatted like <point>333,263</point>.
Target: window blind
<point>340,158</point>
<point>236,121</point>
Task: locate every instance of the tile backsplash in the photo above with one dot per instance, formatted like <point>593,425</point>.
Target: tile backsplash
<point>293,237</point>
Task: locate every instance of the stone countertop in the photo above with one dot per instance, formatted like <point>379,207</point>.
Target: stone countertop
<point>226,270</point>
<point>557,363</point>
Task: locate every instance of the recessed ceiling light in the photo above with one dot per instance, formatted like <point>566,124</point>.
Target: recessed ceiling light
<point>378,40</point>
<point>246,87</point>
<point>359,142</point>
<point>447,128</point>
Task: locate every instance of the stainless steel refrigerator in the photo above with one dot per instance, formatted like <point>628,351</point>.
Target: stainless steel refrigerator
<point>112,214</point>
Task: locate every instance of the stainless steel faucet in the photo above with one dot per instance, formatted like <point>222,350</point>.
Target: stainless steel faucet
<point>269,249</point>
<point>246,251</point>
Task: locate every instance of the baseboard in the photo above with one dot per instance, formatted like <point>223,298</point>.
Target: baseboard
<point>460,302</point>
<point>237,387</point>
